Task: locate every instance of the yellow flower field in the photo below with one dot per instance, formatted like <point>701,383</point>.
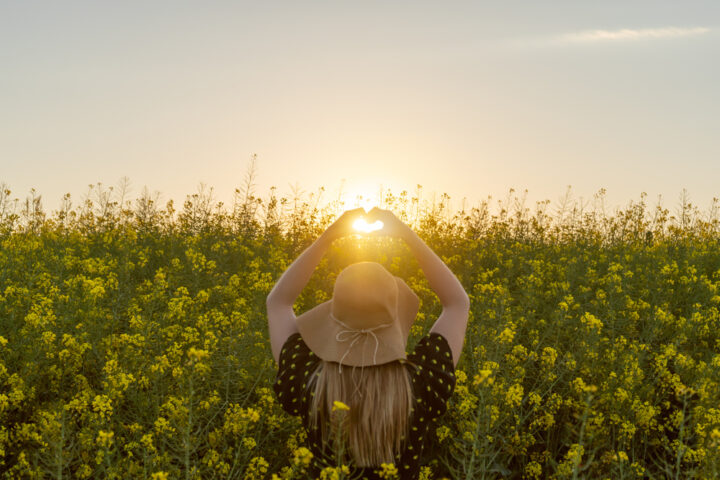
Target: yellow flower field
<point>134,343</point>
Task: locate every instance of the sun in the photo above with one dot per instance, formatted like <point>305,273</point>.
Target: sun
<point>361,225</point>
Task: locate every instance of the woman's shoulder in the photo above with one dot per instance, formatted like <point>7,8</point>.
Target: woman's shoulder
<point>297,363</point>
<point>295,346</point>
<point>294,355</point>
<point>293,339</point>
<point>433,347</point>
<point>433,373</point>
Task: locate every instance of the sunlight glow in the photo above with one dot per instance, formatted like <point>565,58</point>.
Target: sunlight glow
<point>361,225</point>
<point>366,203</point>
<point>363,193</point>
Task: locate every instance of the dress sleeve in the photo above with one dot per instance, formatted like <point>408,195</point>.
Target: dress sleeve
<point>297,362</point>
<point>434,379</point>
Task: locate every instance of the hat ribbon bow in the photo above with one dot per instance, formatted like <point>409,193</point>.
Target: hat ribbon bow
<point>356,334</point>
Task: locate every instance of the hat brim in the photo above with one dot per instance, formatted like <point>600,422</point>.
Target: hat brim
<point>319,331</point>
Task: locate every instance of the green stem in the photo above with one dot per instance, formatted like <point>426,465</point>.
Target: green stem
<point>341,450</point>
<point>59,451</point>
<point>471,466</point>
<point>681,450</point>
<point>582,432</point>
<point>186,436</point>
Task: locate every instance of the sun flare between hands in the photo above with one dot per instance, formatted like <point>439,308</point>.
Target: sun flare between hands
<point>361,225</point>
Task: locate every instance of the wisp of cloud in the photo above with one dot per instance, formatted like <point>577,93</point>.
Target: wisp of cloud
<point>627,34</point>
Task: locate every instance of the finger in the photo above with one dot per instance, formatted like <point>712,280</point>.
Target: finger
<point>348,215</point>
<point>375,213</point>
<point>356,211</point>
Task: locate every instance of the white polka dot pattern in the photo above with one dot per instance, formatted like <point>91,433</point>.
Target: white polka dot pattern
<point>433,380</point>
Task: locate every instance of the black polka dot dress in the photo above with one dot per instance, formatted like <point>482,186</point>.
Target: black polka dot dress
<point>433,380</point>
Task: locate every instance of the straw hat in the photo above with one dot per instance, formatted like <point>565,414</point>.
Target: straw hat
<point>367,321</point>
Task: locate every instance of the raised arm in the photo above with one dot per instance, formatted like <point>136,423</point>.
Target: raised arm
<point>280,300</point>
<point>452,322</point>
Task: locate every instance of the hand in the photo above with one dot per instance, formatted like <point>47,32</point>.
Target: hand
<point>392,225</point>
<point>343,226</point>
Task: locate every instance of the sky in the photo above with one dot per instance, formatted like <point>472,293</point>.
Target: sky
<point>466,98</point>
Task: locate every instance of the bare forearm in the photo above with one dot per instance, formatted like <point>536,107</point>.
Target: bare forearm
<point>297,275</point>
<point>441,279</point>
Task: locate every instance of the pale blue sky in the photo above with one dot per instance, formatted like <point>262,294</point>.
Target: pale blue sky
<point>468,98</point>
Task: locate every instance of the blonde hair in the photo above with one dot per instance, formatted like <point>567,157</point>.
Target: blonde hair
<point>380,400</point>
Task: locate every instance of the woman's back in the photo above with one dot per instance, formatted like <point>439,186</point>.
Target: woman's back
<point>431,372</point>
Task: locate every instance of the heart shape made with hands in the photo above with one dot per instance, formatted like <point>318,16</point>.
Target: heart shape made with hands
<point>361,225</point>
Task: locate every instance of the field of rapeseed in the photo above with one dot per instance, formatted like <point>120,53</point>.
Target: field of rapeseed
<point>134,343</point>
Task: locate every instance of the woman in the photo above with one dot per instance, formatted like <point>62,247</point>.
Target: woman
<point>392,396</point>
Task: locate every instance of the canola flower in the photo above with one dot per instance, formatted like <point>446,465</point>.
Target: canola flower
<point>302,456</point>
<point>134,344</point>
<point>338,405</point>
<point>334,473</point>
<point>105,439</point>
<point>482,376</point>
<point>388,470</point>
